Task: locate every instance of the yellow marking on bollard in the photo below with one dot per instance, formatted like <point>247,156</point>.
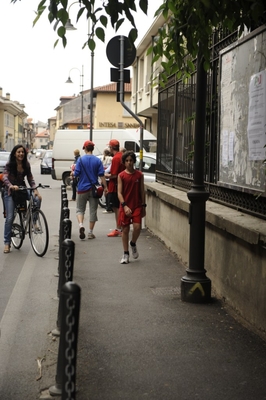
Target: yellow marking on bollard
<point>197,286</point>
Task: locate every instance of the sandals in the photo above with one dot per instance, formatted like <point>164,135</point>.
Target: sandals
<point>7,248</point>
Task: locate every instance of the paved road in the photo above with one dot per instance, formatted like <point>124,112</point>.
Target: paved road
<point>27,289</point>
<point>137,340</point>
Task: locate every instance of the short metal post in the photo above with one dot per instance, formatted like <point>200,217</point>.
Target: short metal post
<point>63,192</point>
<point>65,275</point>
<point>64,215</point>
<point>64,233</point>
<point>67,352</point>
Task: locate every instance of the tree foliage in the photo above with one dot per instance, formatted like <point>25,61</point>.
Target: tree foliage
<point>186,24</point>
<point>192,22</point>
<point>114,12</point>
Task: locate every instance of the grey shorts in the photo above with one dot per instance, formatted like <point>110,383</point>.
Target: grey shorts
<point>82,199</point>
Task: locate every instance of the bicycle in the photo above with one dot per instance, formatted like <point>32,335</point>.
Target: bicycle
<point>30,220</point>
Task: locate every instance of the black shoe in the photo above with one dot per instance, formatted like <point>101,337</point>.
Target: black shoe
<point>82,233</point>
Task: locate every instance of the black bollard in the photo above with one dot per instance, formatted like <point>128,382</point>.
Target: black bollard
<point>67,352</point>
<point>64,214</point>
<point>65,230</point>
<point>64,233</point>
<point>63,199</point>
<point>65,275</point>
<point>63,193</point>
<point>68,255</point>
<point>64,202</point>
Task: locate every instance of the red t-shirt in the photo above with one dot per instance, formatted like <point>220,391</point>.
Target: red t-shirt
<point>116,168</point>
<point>131,188</point>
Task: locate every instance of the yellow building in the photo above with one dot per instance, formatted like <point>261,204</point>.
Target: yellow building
<point>12,116</point>
<point>74,113</point>
<point>109,113</point>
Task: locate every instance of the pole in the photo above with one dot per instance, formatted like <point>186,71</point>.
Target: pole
<point>121,97</point>
<point>92,79</point>
<point>195,286</point>
<point>82,76</point>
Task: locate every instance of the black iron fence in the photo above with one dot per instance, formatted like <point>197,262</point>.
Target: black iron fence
<point>176,126</point>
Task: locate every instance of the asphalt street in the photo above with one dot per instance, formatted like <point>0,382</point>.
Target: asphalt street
<point>137,339</point>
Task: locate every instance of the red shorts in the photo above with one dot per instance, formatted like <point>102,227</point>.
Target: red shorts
<point>135,217</point>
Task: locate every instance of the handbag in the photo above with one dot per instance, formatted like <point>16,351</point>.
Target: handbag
<point>97,189</point>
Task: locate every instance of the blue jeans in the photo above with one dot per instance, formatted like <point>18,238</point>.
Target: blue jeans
<point>9,210</point>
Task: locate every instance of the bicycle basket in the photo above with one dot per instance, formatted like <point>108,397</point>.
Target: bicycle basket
<point>20,198</point>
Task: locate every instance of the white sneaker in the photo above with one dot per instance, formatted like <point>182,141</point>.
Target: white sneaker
<point>124,259</point>
<point>91,235</point>
<point>134,250</point>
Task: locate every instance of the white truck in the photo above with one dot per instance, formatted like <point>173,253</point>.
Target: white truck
<point>67,140</point>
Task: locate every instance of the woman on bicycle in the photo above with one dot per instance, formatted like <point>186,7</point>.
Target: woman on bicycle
<point>16,169</point>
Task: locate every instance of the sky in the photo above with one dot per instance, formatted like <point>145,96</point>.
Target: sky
<point>34,72</point>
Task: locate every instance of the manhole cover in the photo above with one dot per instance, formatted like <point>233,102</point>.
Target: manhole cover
<point>166,291</point>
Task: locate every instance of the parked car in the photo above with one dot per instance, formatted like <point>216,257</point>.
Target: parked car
<point>148,166</point>
<point>39,153</point>
<point>46,162</point>
<point>183,168</point>
<point>4,157</point>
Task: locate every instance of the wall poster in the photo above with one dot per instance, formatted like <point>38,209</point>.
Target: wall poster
<point>243,114</point>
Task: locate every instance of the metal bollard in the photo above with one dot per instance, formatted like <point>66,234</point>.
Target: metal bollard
<point>64,233</point>
<point>68,255</point>
<point>65,275</point>
<point>67,352</point>
<point>65,230</point>
<point>64,202</point>
<point>63,192</point>
<point>65,212</point>
<point>63,199</point>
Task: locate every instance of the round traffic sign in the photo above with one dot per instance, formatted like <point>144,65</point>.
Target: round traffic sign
<point>113,51</point>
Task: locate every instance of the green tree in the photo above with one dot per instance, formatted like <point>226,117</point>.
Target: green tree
<point>186,24</point>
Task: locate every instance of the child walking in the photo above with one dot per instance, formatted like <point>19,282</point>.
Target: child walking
<point>131,195</point>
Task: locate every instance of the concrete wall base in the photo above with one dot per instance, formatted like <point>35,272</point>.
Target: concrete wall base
<point>235,248</point>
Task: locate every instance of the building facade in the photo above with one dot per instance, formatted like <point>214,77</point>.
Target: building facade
<point>107,112</point>
<point>12,117</point>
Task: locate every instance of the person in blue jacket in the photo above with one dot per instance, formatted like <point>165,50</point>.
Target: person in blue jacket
<point>88,170</point>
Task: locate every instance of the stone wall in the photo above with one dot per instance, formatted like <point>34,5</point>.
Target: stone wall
<point>235,248</point>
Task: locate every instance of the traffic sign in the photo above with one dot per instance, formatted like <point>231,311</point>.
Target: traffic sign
<point>113,51</point>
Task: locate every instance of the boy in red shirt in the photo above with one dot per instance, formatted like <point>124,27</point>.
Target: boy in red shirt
<point>131,195</point>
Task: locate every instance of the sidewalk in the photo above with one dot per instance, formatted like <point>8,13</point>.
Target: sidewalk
<point>137,340</point>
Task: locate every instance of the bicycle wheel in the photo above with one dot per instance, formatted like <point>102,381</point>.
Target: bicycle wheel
<point>38,232</point>
<point>18,233</point>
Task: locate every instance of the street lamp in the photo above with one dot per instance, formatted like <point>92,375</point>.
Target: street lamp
<point>70,26</point>
<point>81,89</point>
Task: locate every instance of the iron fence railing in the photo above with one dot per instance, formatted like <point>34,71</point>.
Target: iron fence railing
<point>176,123</point>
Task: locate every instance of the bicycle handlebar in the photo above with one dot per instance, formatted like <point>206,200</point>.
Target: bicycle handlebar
<point>34,188</point>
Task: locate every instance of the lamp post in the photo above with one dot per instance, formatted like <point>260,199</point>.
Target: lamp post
<point>195,285</point>
<point>92,79</point>
<point>81,90</point>
<point>70,26</point>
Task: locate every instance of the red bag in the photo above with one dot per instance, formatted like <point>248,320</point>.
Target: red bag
<point>97,191</point>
